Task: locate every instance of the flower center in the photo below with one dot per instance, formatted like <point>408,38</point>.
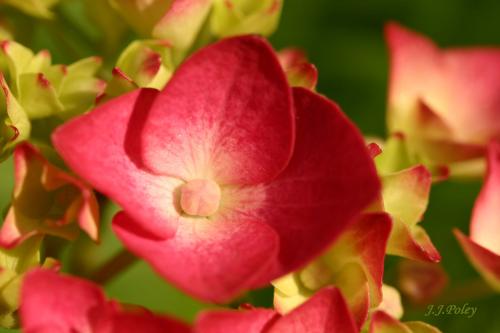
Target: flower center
<point>200,197</point>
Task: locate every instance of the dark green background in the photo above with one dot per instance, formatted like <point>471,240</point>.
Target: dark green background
<point>344,38</point>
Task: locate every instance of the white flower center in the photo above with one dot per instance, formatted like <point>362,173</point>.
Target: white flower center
<point>200,197</point>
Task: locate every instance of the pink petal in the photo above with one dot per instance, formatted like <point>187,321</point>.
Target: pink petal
<point>413,70</point>
<point>210,259</point>
<point>53,303</point>
<point>100,148</point>
<point>485,261</point>
<point>369,239</point>
<point>412,242</point>
<point>326,312</point>
<point>483,248</point>
<point>459,85</point>
<point>147,323</point>
<point>485,224</point>
<point>250,321</point>
<point>329,181</point>
<point>225,115</point>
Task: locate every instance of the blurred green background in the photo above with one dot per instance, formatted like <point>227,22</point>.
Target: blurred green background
<point>344,38</point>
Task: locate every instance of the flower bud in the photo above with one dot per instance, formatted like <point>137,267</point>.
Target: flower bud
<point>240,17</point>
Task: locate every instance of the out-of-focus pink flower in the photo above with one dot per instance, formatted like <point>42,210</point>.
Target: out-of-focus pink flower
<point>51,303</point>
<point>421,281</point>
<point>299,71</point>
<point>482,247</point>
<point>47,200</point>
<point>326,312</point>
<point>446,102</point>
<point>227,179</point>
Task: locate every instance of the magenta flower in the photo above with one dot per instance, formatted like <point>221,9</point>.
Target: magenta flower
<point>444,101</point>
<point>325,312</point>
<point>228,178</point>
<point>51,303</point>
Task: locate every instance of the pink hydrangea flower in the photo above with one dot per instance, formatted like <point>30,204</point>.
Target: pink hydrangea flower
<point>325,312</point>
<point>444,101</point>
<point>51,303</point>
<point>482,246</point>
<point>228,178</point>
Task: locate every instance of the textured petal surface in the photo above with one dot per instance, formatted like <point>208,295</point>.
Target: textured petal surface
<point>326,312</point>
<point>211,259</point>
<point>50,301</point>
<point>93,145</point>
<point>485,224</point>
<point>329,181</point>
<point>225,115</point>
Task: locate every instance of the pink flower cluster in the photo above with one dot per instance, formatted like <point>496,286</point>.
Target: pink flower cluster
<point>236,174</point>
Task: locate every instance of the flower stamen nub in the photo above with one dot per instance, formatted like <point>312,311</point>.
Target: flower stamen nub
<point>200,197</point>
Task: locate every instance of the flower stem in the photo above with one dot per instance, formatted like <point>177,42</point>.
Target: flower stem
<point>113,267</point>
